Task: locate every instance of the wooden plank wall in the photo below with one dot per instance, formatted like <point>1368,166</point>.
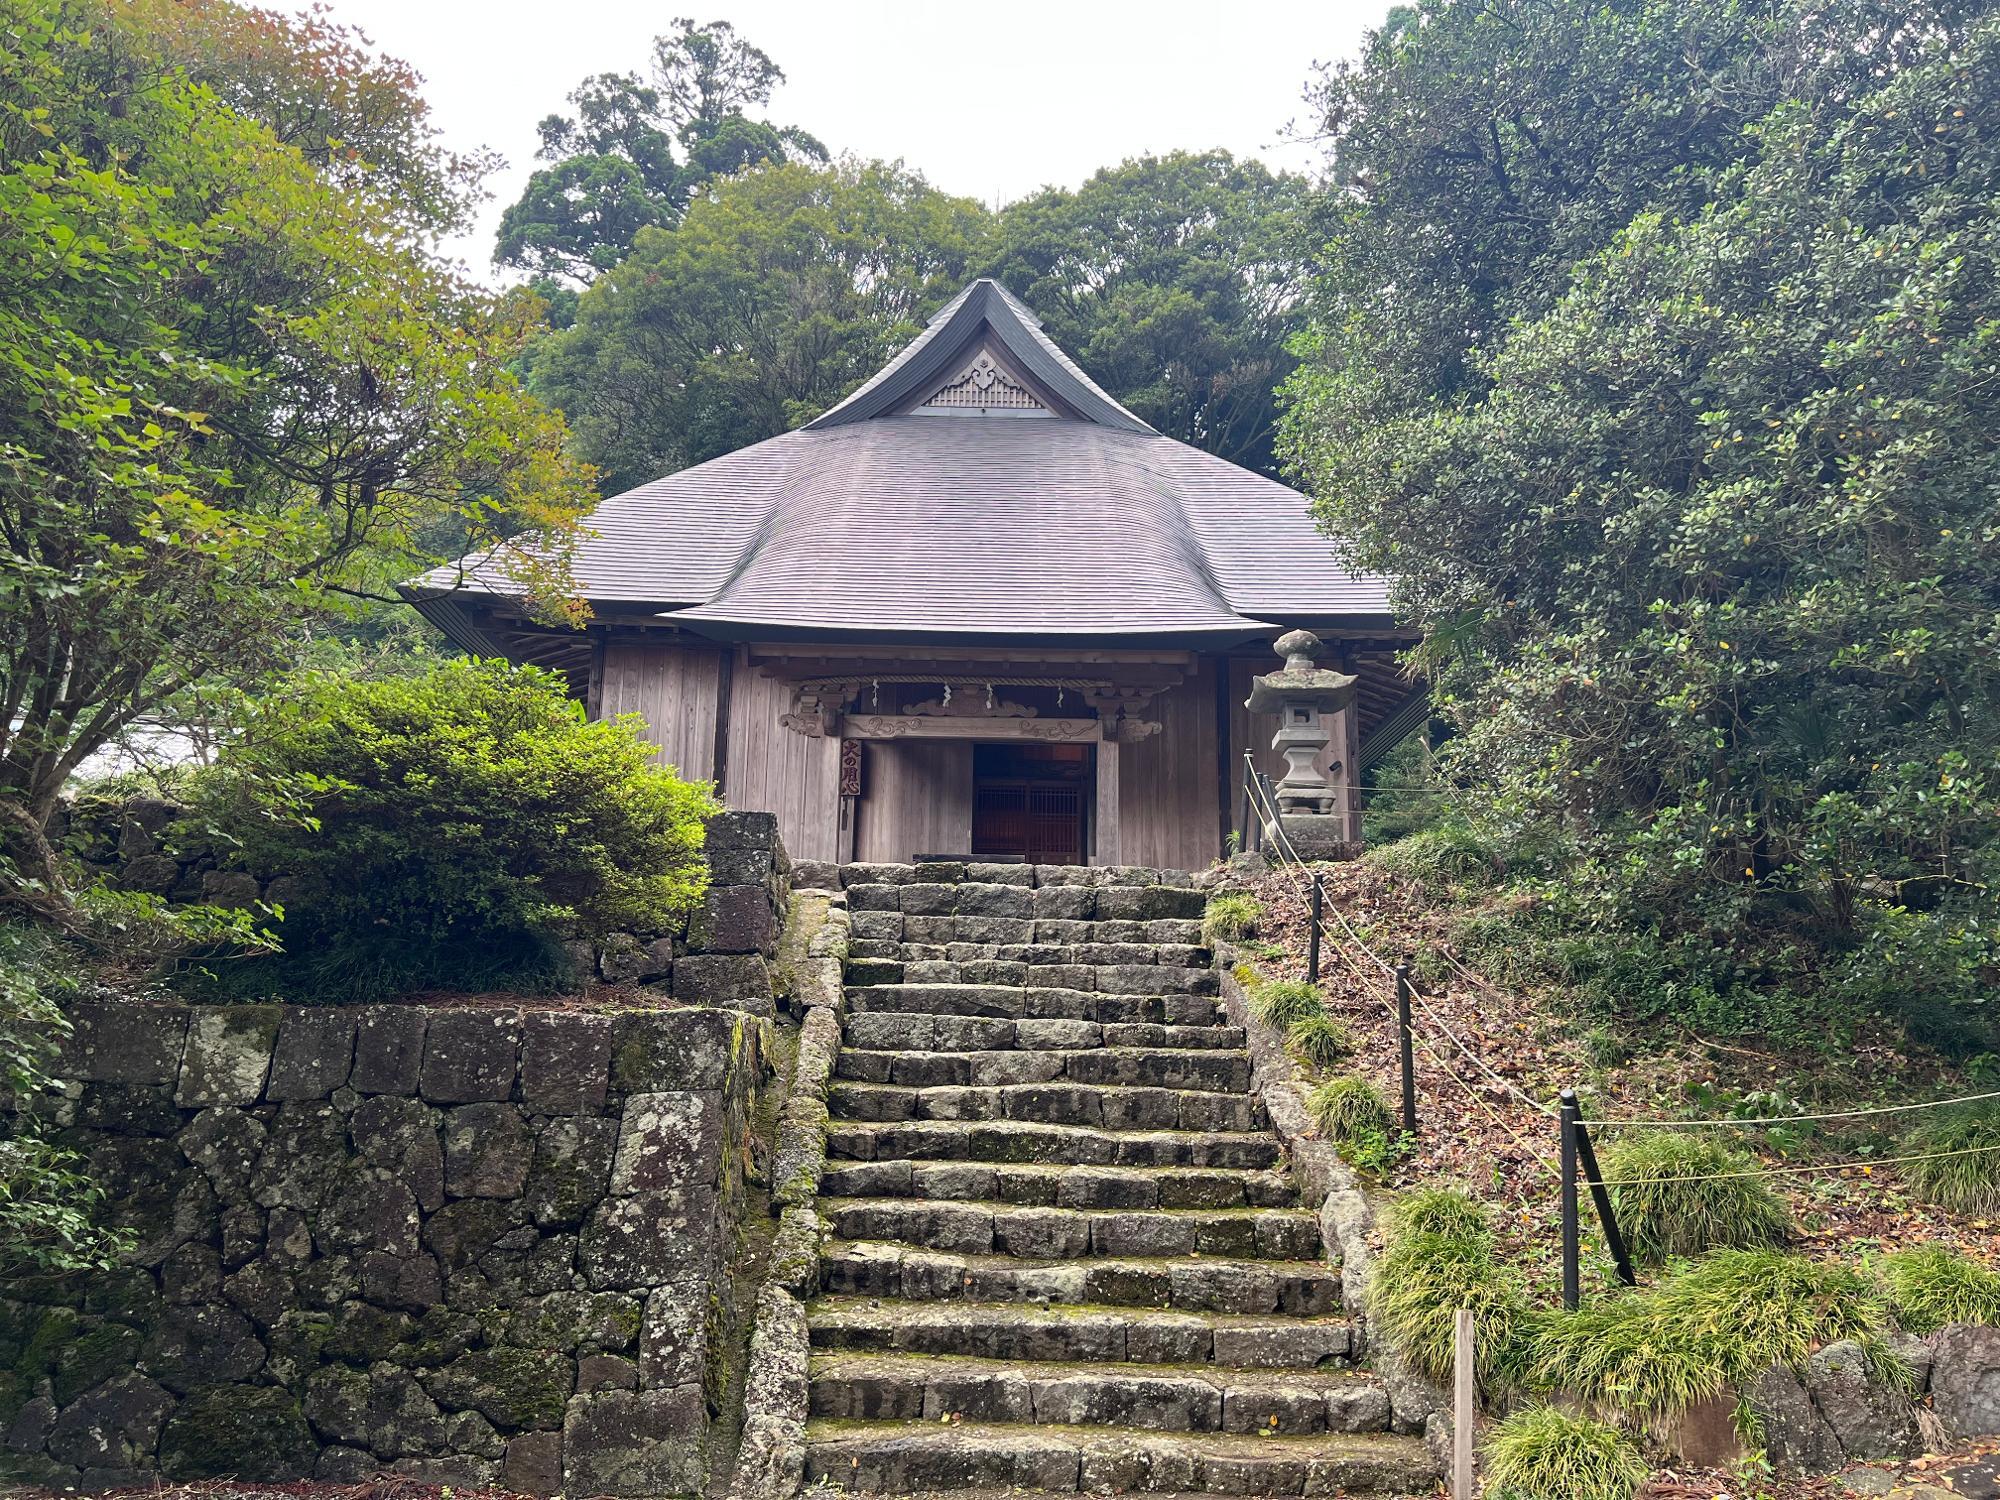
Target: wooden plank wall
<point>771,769</point>
<point>1167,781</point>
<point>916,799</point>
<point>674,688</point>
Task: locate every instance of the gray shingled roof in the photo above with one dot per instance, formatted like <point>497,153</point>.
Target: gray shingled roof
<point>873,521</point>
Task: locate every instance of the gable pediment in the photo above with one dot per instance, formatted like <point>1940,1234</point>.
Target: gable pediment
<point>984,384</point>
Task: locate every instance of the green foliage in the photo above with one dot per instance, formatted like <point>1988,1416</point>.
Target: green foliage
<point>234,383</point>
<point>1933,1285</point>
<point>1440,1258</point>
<point>1720,1321</point>
<point>694,346</point>
<point>460,813</point>
<point>1662,1217</point>
<point>1280,1002</point>
<point>1658,410</point>
<point>1176,282</point>
<point>1405,791</point>
<point>1963,1172</point>
<point>612,169</point>
<point>1230,916</point>
<point>1348,1108</point>
<point>1543,1453</point>
<point>1320,1039</point>
<point>1447,853</point>
<point>48,1202</point>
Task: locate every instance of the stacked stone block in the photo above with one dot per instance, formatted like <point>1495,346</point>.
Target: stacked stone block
<point>471,1245</point>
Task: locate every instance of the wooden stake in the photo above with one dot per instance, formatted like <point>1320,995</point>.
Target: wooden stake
<point>1465,1409</point>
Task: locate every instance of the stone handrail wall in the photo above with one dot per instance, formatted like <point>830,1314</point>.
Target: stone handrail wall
<point>474,1245</point>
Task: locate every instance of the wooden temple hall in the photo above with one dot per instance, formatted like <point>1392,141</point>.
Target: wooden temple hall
<point>976,609</point>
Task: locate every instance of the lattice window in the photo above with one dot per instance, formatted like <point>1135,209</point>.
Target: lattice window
<point>985,385</point>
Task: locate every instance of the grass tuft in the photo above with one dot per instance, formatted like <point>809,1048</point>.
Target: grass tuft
<point>1968,1182</point>
<point>1546,1454</point>
<point>1439,1259</point>
<point>1348,1108</point>
<point>1662,1219</point>
<point>1230,916</point>
<point>1280,1002</point>
<point>1320,1039</point>
<point>1719,1322</point>
<point>1447,853</point>
<point>1931,1286</point>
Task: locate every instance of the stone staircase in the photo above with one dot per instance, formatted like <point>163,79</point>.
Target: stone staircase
<point>1066,1255</point>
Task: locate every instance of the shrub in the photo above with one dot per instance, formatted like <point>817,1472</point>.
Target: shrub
<point>1322,1040</point>
<point>1721,1321</point>
<point>1546,1454</point>
<point>442,824</point>
<point>1426,1274</point>
<point>1230,916</point>
<point>1967,1181</point>
<point>1931,1286</point>
<point>1348,1108</point>
<point>1280,1002</point>
<point>1662,1217</point>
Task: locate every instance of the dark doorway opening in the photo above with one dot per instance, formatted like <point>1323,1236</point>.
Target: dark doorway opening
<point>1029,802</point>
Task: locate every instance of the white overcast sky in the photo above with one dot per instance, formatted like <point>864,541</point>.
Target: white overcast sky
<point>990,99</point>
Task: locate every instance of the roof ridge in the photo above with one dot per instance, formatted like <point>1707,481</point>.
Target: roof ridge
<point>933,354</point>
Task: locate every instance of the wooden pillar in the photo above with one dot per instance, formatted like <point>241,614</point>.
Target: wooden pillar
<point>1109,840</point>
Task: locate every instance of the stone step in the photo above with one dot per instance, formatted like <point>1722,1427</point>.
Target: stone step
<point>951,944</point>
<point>891,1031</point>
<point>1035,1141</point>
<point>1068,1333</point>
<point>1158,1398</point>
<point>1059,1186</point>
<point>1030,1232</point>
<point>894,1458</point>
<point>1071,903</point>
<point>1144,1005</point>
<point>1215,1070</point>
<point>1098,1106</point>
<point>877,1268</point>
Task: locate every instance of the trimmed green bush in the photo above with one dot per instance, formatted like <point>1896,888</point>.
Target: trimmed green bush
<point>1230,917</point>
<point>1546,1454</point>
<point>1722,1320</point>
<point>1320,1039</point>
<point>1931,1286</point>
<point>1662,1218</point>
<point>1280,1002</point>
<point>441,826</point>
<point>1348,1108</point>
<point>1440,1258</point>
<point>1968,1179</point>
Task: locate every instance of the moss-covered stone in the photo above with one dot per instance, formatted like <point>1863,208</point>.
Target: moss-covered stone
<point>91,1357</point>
<point>239,1431</point>
<point>510,1387</point>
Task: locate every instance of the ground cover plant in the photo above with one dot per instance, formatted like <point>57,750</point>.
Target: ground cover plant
<point>1683,1192</point>
<point>1543,1453</point>
<point>1930,1286</point>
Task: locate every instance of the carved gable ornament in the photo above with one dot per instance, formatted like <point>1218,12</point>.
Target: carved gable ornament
<point>983,386</point>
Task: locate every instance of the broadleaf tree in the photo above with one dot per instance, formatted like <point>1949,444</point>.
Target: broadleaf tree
<point>235,387</point>
<point>611,164</point>
<point>1702,534</point>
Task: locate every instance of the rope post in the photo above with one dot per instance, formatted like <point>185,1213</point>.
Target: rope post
<point>1318,917</point>
<point>1601,1196</point>
<point>1252,831</point>
<point>1572,1266</point>
<point>1404,1036</point>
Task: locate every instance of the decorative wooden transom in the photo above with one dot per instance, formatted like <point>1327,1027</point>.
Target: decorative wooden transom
<point>984,384</point>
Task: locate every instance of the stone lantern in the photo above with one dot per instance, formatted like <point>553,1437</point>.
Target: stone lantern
<point>1303,695</point>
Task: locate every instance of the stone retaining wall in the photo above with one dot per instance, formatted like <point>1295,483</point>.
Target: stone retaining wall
<point>482,1246</point>
<point>721,955</point>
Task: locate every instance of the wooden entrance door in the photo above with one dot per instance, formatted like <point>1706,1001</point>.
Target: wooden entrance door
<point>1029,802</point>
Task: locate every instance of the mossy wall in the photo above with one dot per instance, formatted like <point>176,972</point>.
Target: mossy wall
<point>480,1246</point>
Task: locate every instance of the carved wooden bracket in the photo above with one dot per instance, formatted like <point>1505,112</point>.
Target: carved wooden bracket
<point>817,707</point>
